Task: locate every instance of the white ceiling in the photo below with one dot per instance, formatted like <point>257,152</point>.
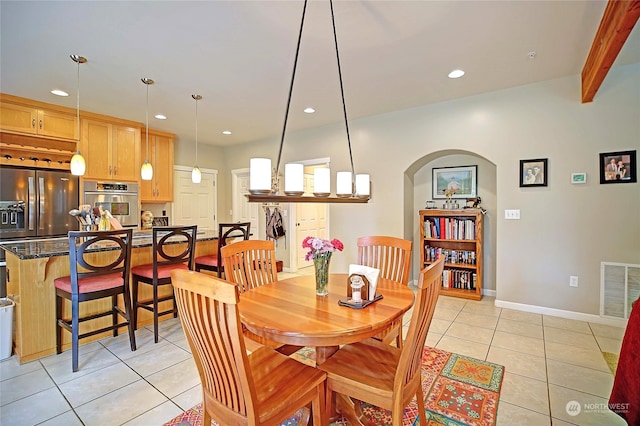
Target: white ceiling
<point>239,56</point>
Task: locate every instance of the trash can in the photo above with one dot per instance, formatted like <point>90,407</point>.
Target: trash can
<point>6,327</point>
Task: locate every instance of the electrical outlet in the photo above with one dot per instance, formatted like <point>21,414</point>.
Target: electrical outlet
<point>573,281</point>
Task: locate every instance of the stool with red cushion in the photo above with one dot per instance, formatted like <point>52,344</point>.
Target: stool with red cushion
<point>158,273</point>
<point>226,233</point>
<point>92,279</point>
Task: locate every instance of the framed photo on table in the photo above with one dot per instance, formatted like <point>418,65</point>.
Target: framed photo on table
<point>461,182</point>
<point>533,172</point>
<point>618,167</point>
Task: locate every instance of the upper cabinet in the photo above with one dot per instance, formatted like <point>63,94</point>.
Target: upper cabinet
<point>24,116</point>
<point>111,150</point>
<point>160,188</point>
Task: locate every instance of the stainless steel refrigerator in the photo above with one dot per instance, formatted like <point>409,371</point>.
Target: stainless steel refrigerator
<point>36,203</point>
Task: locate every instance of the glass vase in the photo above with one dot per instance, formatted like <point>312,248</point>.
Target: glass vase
<point>321,264</point>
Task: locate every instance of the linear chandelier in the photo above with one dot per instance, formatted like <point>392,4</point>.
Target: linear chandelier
<point>265,187</point>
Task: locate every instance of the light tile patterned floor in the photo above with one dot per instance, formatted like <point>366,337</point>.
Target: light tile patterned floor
<point>549,361</point>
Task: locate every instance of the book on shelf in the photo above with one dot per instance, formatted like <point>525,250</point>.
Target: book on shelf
<point>447,228</point>
<point>459,279</point>
<point>466,257</point>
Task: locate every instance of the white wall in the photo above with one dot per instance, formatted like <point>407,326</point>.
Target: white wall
<point>564,229</point>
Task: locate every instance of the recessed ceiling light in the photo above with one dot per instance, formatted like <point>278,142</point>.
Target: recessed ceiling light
<point>160,117</point>
<point>309,110</point>
<point>59,92</point>
<point>456,74</point>
<point>226,132</point>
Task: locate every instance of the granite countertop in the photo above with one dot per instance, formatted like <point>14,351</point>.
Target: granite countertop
<point>59,246</point>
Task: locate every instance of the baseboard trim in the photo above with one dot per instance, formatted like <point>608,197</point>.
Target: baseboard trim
<point>579,316</point>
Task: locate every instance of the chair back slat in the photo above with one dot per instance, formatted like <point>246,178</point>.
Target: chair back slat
<point>423,308</point>
<point>250,263</point>
<point>168,235</point>
<point>389,254</point>
<point>208,310</point>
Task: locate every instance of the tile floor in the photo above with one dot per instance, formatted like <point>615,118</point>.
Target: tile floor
<point>549,361</point>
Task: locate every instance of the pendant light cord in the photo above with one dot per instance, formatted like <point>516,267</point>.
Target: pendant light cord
<point>147,154</point>
<point>293,77</point>
<point>344,106</point>
<point>78,103</point>
<point>196,132</point>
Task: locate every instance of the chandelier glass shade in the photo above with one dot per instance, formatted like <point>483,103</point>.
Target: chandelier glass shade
<point>265,187</point>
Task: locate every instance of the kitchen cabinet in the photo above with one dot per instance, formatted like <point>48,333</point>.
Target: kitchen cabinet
<point>19,115</point>
<point>111,150</point>
<point>160,188</point>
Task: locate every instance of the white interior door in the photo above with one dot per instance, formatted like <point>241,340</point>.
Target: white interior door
<point>243,210</point>
<point>195,203</point>
<point>311,220</point>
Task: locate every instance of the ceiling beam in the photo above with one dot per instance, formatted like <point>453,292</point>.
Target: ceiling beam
<point>618,20</point>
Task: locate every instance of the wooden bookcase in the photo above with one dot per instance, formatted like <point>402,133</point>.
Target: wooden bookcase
<point>456,234</point>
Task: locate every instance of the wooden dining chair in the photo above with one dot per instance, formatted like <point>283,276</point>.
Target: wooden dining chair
<point>261,388</point>
<point>158,272</point>
<point>227,232</point>
<point>95,276</point>
<point>384,375</point>
<point>251,264</point>
<point>392,256</point>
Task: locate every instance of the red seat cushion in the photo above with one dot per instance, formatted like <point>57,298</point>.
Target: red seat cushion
<point>92,284</point>
<point>164,271</point>
<point>210,260</point>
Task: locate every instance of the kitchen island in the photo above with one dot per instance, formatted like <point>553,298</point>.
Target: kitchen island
<point>32,265</point>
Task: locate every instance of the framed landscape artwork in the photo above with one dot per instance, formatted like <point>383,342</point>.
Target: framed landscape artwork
<point>461,182</point>
<point>618,167</point>
<point>533,172</point>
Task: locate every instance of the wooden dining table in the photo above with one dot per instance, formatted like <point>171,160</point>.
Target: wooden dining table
<point>289,311</point>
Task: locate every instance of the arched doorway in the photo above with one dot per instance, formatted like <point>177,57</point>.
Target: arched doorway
<point>418,188</point>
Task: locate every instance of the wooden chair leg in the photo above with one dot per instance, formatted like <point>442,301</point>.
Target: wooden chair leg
<point>206,417</point>
<point>399,339</point>
<point>58,326</point>
<point>320,417</point>
<point>421,409</point>
<point>75,325</point>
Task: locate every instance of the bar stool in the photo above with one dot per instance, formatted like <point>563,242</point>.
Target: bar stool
<point>90,279</point>
<point>158,273</point>
<point>226,232</point>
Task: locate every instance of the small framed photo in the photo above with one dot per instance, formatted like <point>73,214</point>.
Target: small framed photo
<point>578,178</point>
<point>457,182</point>
<point>533,172</point>
<point>618,167</point>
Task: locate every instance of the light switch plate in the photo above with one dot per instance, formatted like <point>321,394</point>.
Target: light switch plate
<point>512,214</point>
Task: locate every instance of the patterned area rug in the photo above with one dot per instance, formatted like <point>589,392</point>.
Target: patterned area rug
<point>458,391</point>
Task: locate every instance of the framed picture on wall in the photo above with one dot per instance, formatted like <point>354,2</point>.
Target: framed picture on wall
<point>618,167</point>
<point>460,182</point>
<point>533,172</point>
